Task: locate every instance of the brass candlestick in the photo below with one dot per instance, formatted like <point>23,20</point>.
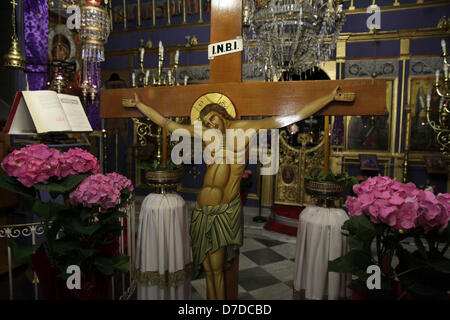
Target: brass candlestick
<point>441,127</point>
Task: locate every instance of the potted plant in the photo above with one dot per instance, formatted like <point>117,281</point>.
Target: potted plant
<point>79,210</point>
<point>328,186</point>
<point>383,215</point>
<point>162,176</point>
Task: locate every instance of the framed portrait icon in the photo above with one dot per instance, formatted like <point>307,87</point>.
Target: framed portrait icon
<point>368,162</point>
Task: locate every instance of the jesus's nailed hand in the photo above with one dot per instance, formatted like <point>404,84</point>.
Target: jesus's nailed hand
<point>128,103</point>
<point>343,96</point>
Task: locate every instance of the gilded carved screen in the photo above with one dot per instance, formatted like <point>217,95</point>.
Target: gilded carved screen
<point>301,150</point>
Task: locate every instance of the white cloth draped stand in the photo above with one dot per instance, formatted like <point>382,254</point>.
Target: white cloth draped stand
<point>164,255</point>
<point>319,240</point>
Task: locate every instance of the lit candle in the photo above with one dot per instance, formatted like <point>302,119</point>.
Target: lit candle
<point>422,104</point>
<point>147,75</point>
<point>133,79</point>
<point>446,71</point>
<point>177,55</point>
<point>437,76</point>
<point>444,49</point>
<point>428,100</point>
<point>142,50</point>
<point>161,49</point>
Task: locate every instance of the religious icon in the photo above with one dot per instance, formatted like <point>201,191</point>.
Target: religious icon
<point>288,175</point>
<point>368,162</point>
<point>435,165</point>
<point>371,132</point>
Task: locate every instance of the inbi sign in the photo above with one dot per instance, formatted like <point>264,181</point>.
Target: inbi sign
<point>224,47</point>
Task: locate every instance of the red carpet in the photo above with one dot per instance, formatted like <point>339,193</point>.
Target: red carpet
<point>287,213</point>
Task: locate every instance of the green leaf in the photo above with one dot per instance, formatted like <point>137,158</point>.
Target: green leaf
<point>86,230</point>
<point>355,262</point>
<point>440,265</point>
<point>64,185</point>
<point>63,246</point>
<point>47,209</point>
<point>22,254</point>
<point>86,253</point>
<point>85,213</point>
<point>105,265</point>
<point>108,217</point>
<point>122,263</point>
<point>13,185</point>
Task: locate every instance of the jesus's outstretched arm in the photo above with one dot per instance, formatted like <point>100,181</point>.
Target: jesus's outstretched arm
<point>303,113</point>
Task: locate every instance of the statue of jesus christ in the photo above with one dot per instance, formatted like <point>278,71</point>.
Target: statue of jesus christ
<point>216,225</point>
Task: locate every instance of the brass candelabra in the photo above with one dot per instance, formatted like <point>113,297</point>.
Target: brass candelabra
<point>168,78</point>
<point>441,86</point>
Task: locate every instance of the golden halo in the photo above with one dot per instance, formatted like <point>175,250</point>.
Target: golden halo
<point>208,98</point>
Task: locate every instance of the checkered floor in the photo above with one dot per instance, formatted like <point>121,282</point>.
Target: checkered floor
<point>266,271</point>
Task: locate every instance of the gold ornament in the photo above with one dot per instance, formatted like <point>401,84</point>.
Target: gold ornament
<point>209,98</point>
<point>14,56</point>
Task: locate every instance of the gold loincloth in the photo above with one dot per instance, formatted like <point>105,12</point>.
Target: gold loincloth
<point>214,227</point>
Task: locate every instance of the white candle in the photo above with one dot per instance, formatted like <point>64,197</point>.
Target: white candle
<point>147,74</point>
<point>422,104</point>
<point>177,55</point>
<point>443,45</point>
<point>445,71</point>
<point>161,49</point>
<point>142,50</point>
<point>169,75</point>
<point>428,100</point>
<point>437,76</point>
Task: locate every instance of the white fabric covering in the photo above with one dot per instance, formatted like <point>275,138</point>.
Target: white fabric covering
<point>163,245</point>
<point>319,240</point>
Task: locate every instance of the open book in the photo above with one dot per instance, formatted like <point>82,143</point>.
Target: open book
<point>46,111</point>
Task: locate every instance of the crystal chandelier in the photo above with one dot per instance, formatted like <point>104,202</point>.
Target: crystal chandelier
<point>290,35</point>
<point>94,32</point>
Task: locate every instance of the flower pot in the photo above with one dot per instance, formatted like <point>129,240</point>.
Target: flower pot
<point>93,287</point>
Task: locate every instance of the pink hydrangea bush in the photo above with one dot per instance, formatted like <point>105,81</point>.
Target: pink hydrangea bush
<point>76,161</point>
<point>32,164</point>
<point>96,190</point>
<point>400,205</point>
<point>120,182</point>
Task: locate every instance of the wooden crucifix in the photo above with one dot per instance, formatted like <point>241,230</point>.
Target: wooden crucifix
<point>249,98</point>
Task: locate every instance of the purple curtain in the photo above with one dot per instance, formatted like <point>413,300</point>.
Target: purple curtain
<point>35,14</point>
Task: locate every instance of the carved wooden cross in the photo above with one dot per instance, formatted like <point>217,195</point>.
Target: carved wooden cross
<point>250,98</point>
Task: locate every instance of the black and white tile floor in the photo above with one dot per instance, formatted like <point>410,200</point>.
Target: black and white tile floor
<point>266,270</point>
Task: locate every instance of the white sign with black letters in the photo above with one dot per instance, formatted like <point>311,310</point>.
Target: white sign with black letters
<point>224,47</point>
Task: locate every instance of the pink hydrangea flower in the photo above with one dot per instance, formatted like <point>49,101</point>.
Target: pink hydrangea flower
<point>432,213</point>
<point>96,190</point>
<point>32,164</point>
<point>76,161</point>
<point>120,181</point>
<point>399,205</point>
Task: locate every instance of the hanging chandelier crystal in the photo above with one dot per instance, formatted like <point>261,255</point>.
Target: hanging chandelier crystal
<point>94,32</point>
<point>291,35</point>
